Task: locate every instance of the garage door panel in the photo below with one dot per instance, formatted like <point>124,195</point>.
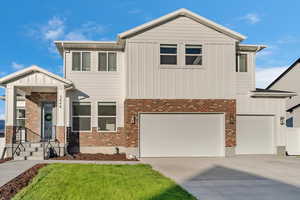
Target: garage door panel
<point>255,135</point>
<point>181,135</point>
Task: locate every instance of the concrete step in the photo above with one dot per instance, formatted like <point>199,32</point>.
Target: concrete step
<point>36,144</point>
<point>20,158</point>
<point>31,153</point>
<point>34,158</point>
<point>34,149</point>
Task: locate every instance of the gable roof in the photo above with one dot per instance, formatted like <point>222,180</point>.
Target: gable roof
<point>186,13</point>
<point>28,70</point>
<point>284,73</point>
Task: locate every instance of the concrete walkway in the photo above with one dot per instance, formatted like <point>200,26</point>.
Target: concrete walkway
<point>12,169</point>
<point>236,178</point>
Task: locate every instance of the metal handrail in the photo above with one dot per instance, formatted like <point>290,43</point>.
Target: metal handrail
<point>14,139</point>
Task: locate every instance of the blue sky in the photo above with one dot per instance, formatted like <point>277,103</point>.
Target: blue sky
<point>29,28</point>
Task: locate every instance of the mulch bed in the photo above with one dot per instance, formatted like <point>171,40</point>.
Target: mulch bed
<point>5,160</point>
<point>96,157</point>
<point>11,188</point>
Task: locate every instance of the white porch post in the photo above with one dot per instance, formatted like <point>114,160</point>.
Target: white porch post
<point>61,95</point>
<point>60,123</point>
<point>10,105</point>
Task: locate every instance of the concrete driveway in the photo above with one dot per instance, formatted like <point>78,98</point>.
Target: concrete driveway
<point>236,178</point>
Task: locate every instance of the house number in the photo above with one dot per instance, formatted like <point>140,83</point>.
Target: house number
<point>59,102</point>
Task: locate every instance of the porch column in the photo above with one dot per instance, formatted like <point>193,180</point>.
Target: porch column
<point>60,123</point>
<point>10,112</point>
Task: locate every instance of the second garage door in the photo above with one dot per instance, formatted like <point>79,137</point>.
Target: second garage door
<point>254,134</point>
<point>181,135</point>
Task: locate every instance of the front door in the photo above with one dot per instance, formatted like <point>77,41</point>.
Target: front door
<point>47,121</point>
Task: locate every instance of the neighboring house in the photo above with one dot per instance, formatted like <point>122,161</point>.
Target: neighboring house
<point>289,80</point>
<point>180,85</point>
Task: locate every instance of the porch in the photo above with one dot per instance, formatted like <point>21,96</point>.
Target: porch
<point>35,114</point>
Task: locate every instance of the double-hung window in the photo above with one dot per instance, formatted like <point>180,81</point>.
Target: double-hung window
<point>21,117</point>
<point>107,61</point>
<point>81,115</point>
<point>168,54</point>
<point>81,61</point>
<point>241,63</point>
<point>107,116</point>
<point>193,54</point>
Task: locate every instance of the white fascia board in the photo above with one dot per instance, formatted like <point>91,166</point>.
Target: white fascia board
<point>187,13</point>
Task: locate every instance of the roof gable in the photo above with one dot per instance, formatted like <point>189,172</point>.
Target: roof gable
<point>29,71</point>
<point>284,73</point>
<point>178,13</point>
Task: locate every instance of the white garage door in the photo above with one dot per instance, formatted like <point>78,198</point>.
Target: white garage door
<point>181,135</point>
<point>254,134</point>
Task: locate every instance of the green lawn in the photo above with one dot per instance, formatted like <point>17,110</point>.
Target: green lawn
<point>107,182</point>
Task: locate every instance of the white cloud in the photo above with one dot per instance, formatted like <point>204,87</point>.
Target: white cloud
<point>2,116</point>
<point>17,66</point>
<point>57,29</point>
<point>54,29</point>
<point>265,75</point>
<point>251,18</point>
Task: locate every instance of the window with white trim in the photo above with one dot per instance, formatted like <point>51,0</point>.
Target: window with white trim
<point>81,61</point>
<point>241,62</point>
<point>107,61</point>
<point>193,54</point>
<point>21,117</point>
<point>107,116</point>
<point>168,54</point>
<point>81,116</point>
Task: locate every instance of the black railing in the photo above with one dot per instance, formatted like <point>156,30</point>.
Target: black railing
<point>22,135</point>
<point>19,137</point>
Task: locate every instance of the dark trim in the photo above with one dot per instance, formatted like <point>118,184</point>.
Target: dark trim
<point>271,91</point>
<point>284,73</point>
<point>293,108</point>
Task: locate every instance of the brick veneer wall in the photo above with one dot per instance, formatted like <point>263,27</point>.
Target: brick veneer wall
<point>33,106</point>
<point>135,106</point>
<point>97,138</point>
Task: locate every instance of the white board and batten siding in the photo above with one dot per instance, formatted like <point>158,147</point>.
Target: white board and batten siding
<point>94,86</point>
<point>36,79</point>
<point>273,107</point>
<point>214,79</point>
<point>245,81</point>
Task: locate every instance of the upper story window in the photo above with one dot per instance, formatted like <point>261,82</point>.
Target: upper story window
<point>168,54</point>
<point>241,64</point>
<point>193,54</point>
<point>107,61</point>
<point>81,116</point>
<point>81,61</point>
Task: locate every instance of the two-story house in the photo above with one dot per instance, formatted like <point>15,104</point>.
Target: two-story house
<point>178,86</point>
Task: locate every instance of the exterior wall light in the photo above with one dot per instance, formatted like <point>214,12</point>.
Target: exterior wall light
<point>282,121</point>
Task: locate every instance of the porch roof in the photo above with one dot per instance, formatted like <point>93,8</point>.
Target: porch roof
<point>30,70</point>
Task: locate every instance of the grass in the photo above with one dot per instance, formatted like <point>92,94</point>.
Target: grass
<point>107,182</point>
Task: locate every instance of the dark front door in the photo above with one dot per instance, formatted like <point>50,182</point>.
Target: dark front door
<point>47,121</point>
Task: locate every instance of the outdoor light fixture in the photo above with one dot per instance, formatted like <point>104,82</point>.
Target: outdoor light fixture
<point>281,120</point>
<point>132,121</point>
<point>231,119</point>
